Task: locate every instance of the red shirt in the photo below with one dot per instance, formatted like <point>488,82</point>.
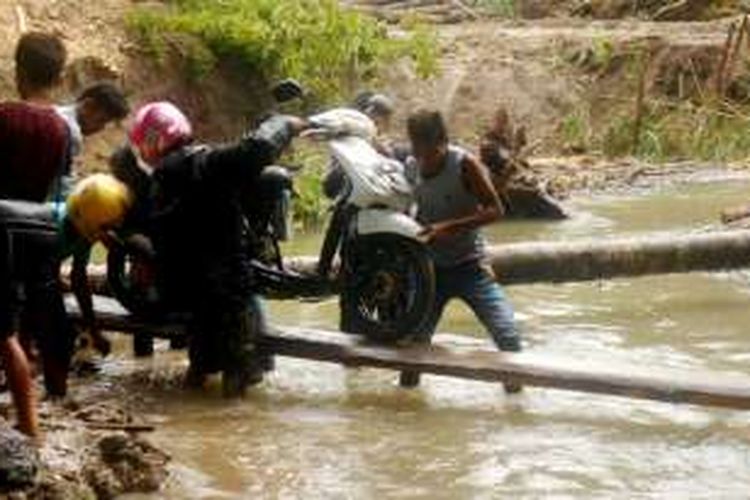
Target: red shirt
<point>33,150</point>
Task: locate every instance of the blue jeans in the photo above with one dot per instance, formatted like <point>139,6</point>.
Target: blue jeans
<point>476,286</point>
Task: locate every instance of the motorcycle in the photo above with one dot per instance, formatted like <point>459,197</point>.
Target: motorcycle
<point>371,254</point>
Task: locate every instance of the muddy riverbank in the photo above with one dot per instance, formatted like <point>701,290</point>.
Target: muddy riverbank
<point>93,445</point>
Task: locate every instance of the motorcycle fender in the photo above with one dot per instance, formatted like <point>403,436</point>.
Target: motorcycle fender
<point>371,221</point>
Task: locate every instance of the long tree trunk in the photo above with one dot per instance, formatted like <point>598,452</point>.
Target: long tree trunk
<point>586,260</point>
<point>603,259</point>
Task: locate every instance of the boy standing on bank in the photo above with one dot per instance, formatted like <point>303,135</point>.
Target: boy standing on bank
<point>455,198</point>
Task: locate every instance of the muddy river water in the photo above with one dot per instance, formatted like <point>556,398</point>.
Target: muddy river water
<point>322,431</point>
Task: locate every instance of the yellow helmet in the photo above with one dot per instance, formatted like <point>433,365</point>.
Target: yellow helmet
<point>98,203</point>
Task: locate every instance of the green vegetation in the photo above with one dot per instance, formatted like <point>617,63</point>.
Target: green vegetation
<point>706,132</point>
<point>576,129</point>
<point>682,115</point>
<point>331,50</point>
<point>502,8</point>
<point>602,52</point>
<point>310,205</point>
<point>668,131</point>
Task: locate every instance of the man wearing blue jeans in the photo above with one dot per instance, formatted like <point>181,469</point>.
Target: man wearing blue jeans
<point>455,197</point>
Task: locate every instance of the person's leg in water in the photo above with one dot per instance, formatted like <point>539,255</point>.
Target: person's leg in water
<point>21,384</point>
<point>410,378</point>
<point>14,361</point>
<point>201,357</point>
<point>56,340</point>
<point>201,326</point>
<point>256,307</point>
<point>224,338</point>
<point>195,377</point>
<point>477,287</point>
<point>205,331</point>
<point>244,362</point>
<point>45,316</point>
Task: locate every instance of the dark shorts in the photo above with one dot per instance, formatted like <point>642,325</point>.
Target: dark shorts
<point>30,297</point>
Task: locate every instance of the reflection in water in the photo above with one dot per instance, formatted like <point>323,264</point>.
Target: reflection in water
<point>315,430</point>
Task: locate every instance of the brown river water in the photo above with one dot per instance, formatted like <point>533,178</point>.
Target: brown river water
<point>322,431</point>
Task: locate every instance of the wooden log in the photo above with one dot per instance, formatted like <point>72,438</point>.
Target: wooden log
<point>720,84</point>
<point>587,260</point>
<point>639,103</point>
<point>735,54</point>
<point>681,10</point>
<point>601,259</point>
<point>459,361</point>
<point>97,275</point>
<point>111,316</point>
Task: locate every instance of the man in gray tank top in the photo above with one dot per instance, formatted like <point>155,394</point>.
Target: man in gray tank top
<point>455,197</point>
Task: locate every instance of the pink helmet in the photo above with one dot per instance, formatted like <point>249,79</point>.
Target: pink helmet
<point>157,128</point>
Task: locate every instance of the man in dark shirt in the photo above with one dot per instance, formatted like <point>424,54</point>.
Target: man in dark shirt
<point>34,141</point>
<point>33,150</point>
<point>197,227</point>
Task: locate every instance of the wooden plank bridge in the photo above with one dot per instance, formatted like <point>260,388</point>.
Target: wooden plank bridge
<point>469,362</point>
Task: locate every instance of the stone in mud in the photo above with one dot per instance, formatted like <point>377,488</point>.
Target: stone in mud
<point>125,464</point>
<point>19,460</point>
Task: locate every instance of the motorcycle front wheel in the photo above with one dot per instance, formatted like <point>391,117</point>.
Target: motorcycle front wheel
<point>388,287</point>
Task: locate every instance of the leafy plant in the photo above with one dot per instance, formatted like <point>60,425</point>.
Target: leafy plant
<point>310,204</point>
<point>576,128</point>
<point>603,50</point>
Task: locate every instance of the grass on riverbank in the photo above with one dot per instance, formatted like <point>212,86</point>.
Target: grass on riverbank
<point>660,101</point>
<point>709,133</point>
<point>668,132</point>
